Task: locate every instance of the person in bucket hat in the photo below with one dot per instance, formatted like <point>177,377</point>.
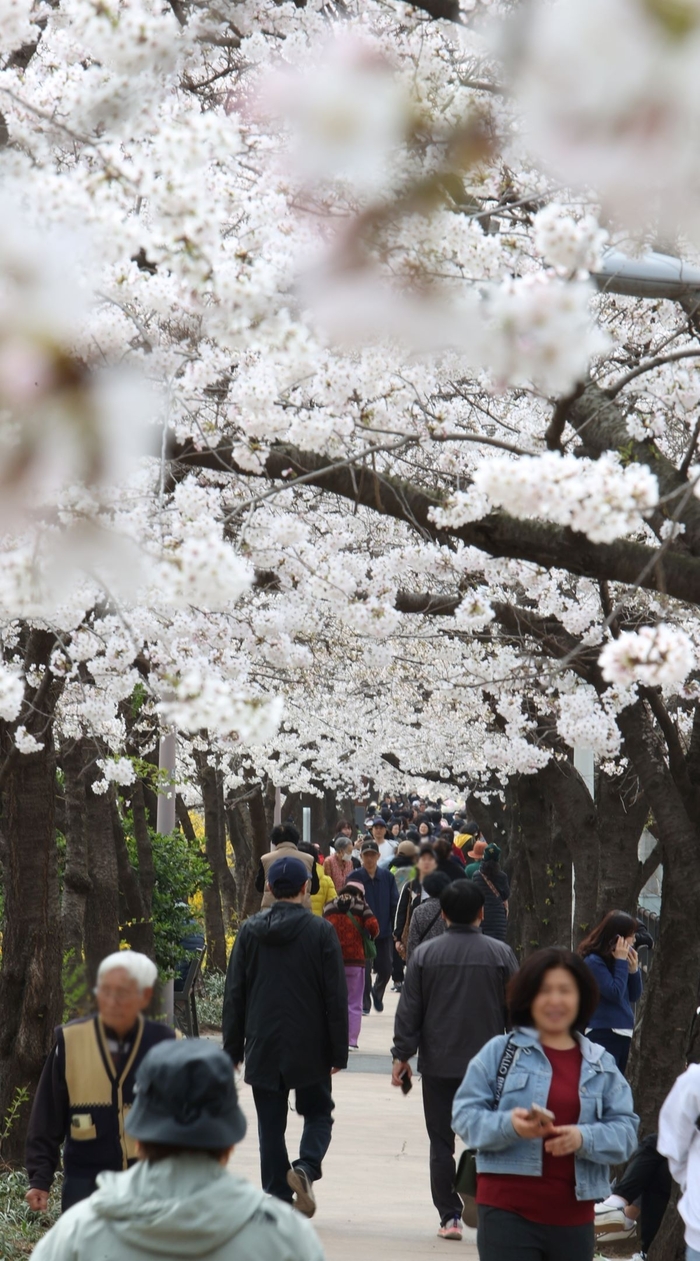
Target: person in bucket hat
<point>180,1199</point>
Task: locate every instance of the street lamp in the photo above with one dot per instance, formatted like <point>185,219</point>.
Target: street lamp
<point>651,276</point>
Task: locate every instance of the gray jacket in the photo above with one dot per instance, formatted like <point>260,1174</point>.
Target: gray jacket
<point>453,1000</point>
<point>183,1208</point>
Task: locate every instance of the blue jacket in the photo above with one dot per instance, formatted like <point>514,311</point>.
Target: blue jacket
<point>607,1121</point>
<point>618,990</point>
<point>382,895</point>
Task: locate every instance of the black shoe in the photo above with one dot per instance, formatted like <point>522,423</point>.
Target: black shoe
<point>304,1198</point>
<point>366,1010</point>
<point>378,1004</point>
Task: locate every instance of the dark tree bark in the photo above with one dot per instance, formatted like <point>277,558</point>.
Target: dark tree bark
<point>136,920</point>
<point>102,907</point>
<point>662,1035</point>
<point>261,811</point>
<point>212,789</point>
<point>76,880</point>
<point>540,900</point>
<point>31,998</point>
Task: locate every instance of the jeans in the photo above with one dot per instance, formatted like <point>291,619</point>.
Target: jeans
<point>382,967</point>
<point>438,1095</point>
<point>503,1236</point>
<point>315,1104</point>
<point>691,1254</point>
<point>618,1045</point>
<point>647,1178</point>
<point>77,1188</point>
<point>355,977</point>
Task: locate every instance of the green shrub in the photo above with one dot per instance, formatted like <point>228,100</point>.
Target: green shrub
<point>210,1000</point>
<point>181,870</point>
<point>20,1229</point>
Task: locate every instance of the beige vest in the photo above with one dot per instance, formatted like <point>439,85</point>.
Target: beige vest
<point>286,850</point>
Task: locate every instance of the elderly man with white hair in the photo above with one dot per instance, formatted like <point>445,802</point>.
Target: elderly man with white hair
<point>87,1085</point>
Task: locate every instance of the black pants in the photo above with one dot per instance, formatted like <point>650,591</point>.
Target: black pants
<point>76,1187</point>
<point>505,1236</point>
<point>647,1178</point>
<point>382,968</point>
<point>616,1043</point>
<point>438,1096</point>
<point>398,967</point>
<point>313,1103</point>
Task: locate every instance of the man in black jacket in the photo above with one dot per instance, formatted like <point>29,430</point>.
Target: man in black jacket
<point>286,1014</point>
<point>452,1003</point>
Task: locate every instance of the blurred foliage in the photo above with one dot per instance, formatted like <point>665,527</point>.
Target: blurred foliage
<point>181,871</point>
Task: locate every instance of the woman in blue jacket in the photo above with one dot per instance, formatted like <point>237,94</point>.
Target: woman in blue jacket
<point>547,1112</point>
<point>610,954</point>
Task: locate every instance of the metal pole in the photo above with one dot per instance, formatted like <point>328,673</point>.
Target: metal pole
<point>584,761</point>
<point>306,824</point>
<point>167,756</point>
<point>277,817</point>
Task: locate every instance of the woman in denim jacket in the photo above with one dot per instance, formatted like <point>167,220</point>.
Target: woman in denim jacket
<point>538,1177</point>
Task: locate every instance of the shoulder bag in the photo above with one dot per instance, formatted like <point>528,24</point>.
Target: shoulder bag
<point>465,1182</point>
<point>368,945</point>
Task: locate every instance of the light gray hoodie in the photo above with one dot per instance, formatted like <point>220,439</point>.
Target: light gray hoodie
<point>185,1206</point>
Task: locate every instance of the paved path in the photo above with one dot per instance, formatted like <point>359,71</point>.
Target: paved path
<point>374,1200</point>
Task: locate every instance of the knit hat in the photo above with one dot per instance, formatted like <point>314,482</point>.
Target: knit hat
<point>186,1096</point>
<point>354,886</point>
<point>477,853</point>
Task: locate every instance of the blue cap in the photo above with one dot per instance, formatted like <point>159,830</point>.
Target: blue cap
<point>379,822</point>
<point>289,875</point>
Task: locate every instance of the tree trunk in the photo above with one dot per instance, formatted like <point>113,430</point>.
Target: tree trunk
<point>667,1012</point>
<point>31,999</point>
<point>212,789</point>
<point>259,804</point>
<point>76,880</point>
<point>102,909</point>
<point>136,923</point>
<point>540,900</point>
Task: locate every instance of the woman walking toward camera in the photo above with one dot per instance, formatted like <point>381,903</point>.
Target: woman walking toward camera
<point>610,954</point>
<point>547,1112</point>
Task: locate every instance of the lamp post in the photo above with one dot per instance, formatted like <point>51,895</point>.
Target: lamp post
<point>653,275</point>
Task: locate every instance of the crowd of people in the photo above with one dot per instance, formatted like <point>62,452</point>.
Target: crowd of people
<point>525,1063</point>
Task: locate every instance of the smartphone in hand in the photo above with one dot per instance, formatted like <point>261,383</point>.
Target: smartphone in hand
<point>541,1114</point>
<point>406,1083</point>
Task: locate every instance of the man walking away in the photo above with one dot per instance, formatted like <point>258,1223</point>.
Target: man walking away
<point>452,1003</point>
<point>285,841</point>
<point>286,1013</point>
<point>382,897</point>
<point>180,1200</point>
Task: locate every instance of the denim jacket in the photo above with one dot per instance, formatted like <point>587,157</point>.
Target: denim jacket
<point>607,1120</point>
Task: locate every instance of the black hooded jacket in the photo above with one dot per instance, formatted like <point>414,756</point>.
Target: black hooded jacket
<point>286,999</point>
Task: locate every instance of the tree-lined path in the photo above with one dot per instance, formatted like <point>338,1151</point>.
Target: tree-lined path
<point>374,1200</point>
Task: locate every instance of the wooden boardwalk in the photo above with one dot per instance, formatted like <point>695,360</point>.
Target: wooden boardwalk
<point>374,1199</point>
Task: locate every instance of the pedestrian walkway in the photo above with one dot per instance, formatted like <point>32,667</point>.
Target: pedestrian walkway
<point>374,1200</point>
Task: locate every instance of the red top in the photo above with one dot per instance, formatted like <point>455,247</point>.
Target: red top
<point>550,1199</point>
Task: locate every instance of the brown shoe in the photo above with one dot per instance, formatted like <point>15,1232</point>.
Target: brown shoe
<point>302,1186</point>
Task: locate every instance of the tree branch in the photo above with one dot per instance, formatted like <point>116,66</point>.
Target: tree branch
<point>549,546</point>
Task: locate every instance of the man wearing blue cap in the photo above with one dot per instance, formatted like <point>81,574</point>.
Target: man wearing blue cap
<point>179,1200</point>
<point>286,1014</point>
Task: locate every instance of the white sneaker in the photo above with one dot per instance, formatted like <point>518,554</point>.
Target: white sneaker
<point>612,1224</point>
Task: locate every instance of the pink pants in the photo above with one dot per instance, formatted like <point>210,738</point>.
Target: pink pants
<point>355,977</point>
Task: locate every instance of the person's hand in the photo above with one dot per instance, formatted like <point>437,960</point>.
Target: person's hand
<point>565,1140</point>
<point>336,1070</point>
<point>621,950</point>
<point>37,1199</point>
<point>633,960</point>
<point>399,1069</point>
<point>528,1125</point>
